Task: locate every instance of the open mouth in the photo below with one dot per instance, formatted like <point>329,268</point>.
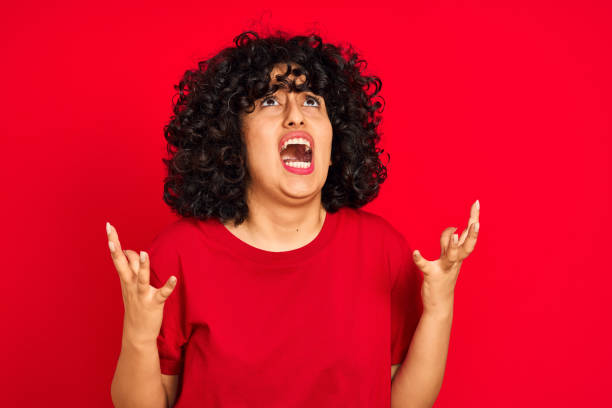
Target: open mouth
<point>296,153</point>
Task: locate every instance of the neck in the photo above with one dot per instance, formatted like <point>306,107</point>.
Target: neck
<point>275,227</point>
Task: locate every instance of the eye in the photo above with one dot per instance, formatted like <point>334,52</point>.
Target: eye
<point>269,98</point>
<point>309,101</point>
<point>315,99</point>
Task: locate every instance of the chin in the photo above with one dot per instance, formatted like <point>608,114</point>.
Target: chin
<point>301,191</point>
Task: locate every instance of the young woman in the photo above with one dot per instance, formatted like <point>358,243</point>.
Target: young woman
<point>276,289</point>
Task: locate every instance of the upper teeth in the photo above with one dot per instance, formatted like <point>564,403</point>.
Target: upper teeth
<point>297,140</point>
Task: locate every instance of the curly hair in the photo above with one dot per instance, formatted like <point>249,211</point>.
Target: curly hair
<point>207,172</point>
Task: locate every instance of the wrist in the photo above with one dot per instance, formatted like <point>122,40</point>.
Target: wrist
<point>440,311</point>
<point>438,316</point>
<point>141,345</point>
<point>137,337</point>
<point>135,340</point>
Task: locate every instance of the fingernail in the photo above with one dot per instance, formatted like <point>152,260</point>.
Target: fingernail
<point>143,256</point>
<point>477,226</point>
<point>111,245</point>
<point>477,205</point>
<point>108,229</point>
<point>455,238</point>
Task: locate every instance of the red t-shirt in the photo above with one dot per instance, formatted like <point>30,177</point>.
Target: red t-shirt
<point>318,326</point>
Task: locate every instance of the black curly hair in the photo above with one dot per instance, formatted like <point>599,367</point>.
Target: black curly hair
<point>207,172</point>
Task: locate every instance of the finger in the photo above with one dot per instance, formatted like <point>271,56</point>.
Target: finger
<point>133,260</point>
<point>119,260</point>
<point>420,262</point>
<point>444,240</point>
<point>474,217</point>
<point>451,255</point>
<point>162,293</point>
<point>470,242</point>
<point>143,272</point>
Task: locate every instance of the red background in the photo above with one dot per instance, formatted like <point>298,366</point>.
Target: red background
<point>506,102</point>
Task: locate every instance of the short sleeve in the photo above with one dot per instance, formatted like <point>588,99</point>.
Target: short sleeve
<point>406,304</point>
<point>164,263</point>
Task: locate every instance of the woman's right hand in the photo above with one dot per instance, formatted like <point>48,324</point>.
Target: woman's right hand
<point>143,303</point>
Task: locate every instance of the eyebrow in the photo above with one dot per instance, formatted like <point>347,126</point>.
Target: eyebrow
<point>291,85</point>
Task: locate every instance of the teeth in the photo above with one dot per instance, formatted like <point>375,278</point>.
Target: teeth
<point>297,140</point>
<point>300,165</point>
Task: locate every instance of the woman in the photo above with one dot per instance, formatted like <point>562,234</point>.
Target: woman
<point>288,294</point>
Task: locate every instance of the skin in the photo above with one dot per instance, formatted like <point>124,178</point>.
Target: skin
<point>419,378</point>
<point>138,380</point>
<point>440,276</point>
<point>285,213</point>
<point>285,210</point>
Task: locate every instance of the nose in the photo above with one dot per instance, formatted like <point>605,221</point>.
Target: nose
<point>294,117</point>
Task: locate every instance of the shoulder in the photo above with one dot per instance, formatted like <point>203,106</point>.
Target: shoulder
<point>395,248</point>
<point>172,241</point>
<point>376,224</point>
<point>176,233</point>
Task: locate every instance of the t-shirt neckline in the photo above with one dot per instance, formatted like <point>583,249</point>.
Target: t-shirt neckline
<point>224,237</point>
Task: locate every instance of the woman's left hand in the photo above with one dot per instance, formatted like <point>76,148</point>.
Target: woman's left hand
<point>440,276</point>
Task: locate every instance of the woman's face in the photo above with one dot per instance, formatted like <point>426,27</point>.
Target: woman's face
<point>266,131</point>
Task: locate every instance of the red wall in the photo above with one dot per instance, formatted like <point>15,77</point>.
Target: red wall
<point>507,103</point>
